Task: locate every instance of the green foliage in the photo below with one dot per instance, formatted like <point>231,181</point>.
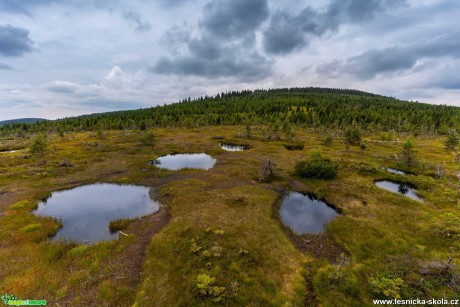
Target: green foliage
<point>328,140</point>
<point>452,140</point>
<point>39,144</point>
<point>195,248</point>
<point>206,288</point>
<point>31,227</point>
<point>363,146</point>
<point>386,136</point>
<point>353,135</point>
<point>286,108</point>
<point>408,152</point>
<point>248,131</point>
<point>99,134</point>
<point>319,167</point>
<point>451,227</point>
<point>19,205</point>
<point>386,287</point>
<point>148,138</point>
<point>289,130</point>
<point>78,251</point>
<point>365,169</point>
<point>61,132</point>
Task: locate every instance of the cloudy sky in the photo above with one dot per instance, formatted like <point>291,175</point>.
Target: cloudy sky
<point>68,57</point>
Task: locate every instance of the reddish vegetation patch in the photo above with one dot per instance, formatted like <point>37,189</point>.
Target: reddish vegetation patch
<point>320,246</point>
<point>8,198</point>
<point>130,262</point>
<point>310,297</point>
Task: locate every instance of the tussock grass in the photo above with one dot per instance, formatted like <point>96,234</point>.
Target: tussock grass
<point>222,224</point>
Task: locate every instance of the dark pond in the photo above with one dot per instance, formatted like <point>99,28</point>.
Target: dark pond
<point>233,147</point>
<point>305,214</point>
<point>86,211</point>
<point>396,171</point>
<point>180,161</point>
<point>402,188</point>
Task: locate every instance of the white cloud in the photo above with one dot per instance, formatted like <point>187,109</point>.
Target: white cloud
<point>94,56</point>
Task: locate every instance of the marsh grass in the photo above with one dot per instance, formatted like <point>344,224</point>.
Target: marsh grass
<point>222,223</point>
<point>118,225</point>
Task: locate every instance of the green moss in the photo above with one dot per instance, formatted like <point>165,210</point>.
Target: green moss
<point>78,250</point>
<point>19,205</point>
<point>31,228</point>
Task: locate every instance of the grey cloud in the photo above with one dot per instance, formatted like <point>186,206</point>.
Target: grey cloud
<point>176,38</point>
<point>14,41</point>
<point>170,3</point>
<point>27,7</point>
<point>222,45</point>
<point>110,104</point>
<point>135,18</point>
<point>4,66</point>
<point>287,33</point>
<point>206,48</point>
<point>234,17</point>
<point>23,6</point>
<point>61,87</point>
<point>376,61</point>
<point>246,66</point>
<point>358,10</point>
<point>449,83</point>
<point>373,62</point>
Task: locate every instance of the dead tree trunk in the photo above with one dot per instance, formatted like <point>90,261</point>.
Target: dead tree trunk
<point>266,171</point>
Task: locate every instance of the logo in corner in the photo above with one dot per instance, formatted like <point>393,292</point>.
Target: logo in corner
<point>11,300</point>
<point>7,297</point>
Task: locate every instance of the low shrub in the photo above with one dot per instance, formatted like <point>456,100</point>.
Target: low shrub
<point>319,167</point>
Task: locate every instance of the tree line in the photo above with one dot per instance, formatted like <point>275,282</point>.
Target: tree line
<point>305,107</point>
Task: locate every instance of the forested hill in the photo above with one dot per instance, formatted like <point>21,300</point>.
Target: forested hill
<point>307,107</point>
<point>21,121</point>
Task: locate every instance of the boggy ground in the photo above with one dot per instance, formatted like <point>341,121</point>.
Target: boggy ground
<point>217,239</point>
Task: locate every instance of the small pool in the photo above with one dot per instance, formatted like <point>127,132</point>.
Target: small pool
<point>405,189</point>
<point>86,211</point>
<point>181,161</point>
<point>396,171</point>
<point>305,214</point>
<point>233,147</point>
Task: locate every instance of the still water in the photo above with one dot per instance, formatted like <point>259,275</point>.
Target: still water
<point>181,161</point>
<point>305,214</point>
<point>401,188</point>
<point>86,211</point>
<point>233,147</point>
<point>395,171</point>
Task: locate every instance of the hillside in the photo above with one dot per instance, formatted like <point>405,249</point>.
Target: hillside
<point>306,107</point>
<point>21,121</point>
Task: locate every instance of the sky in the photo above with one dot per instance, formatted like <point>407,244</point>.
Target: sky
<point>61,58</point>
